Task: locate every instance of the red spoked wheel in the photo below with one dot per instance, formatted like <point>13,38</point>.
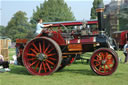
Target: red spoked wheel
<point>104,61</point>
<point>42,56</point>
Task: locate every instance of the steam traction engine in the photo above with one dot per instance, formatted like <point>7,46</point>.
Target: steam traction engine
<point>53,50</point>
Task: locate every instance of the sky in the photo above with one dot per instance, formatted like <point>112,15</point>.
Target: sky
<point>80,8</point>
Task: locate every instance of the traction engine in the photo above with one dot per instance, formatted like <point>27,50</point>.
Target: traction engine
<point>51,50</point>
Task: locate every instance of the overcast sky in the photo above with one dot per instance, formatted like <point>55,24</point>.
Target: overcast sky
<point>80,8</point>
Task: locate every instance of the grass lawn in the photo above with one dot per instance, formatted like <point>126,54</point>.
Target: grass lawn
<point>76,74</point>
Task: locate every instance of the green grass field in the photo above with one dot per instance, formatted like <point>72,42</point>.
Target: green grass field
<point>75,74</point>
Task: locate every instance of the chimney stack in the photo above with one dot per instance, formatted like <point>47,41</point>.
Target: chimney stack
<point>100,15</point>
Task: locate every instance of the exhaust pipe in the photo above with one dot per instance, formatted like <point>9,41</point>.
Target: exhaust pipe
<point>100,14</point>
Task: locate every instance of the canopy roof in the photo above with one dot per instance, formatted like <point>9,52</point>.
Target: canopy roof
<point>72,23</point>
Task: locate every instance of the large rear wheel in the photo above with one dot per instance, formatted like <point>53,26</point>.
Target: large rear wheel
<point>42,56</point>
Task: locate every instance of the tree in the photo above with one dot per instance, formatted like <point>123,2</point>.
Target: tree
<point>93,9</point>
<point>51,11</point>
<point>1,30</point>
<point>123,17</point>
<point>18,26</point>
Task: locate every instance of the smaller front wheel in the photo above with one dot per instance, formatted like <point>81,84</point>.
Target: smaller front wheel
<point>104,61</point>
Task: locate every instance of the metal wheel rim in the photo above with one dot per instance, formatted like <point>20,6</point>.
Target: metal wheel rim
<point>104,62</point>
<point>41,66</point>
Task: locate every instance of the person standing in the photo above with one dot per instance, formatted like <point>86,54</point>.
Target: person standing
<point>40,26</point>
<point>126,52</point>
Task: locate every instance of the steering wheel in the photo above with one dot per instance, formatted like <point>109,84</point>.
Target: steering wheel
<point>65,28</point>
<point>49,29</point>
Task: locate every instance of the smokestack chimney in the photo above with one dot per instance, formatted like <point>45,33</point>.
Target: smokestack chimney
<point>100,14</point>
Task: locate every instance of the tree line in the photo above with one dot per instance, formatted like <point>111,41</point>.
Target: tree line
<point>49,11</point>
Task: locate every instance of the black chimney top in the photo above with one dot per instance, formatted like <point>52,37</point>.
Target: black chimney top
<point>100,13</point>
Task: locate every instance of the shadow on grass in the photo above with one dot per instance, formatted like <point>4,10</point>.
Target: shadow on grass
<point>20,70</point>
<point>80,71</point>
<point>81,62</point>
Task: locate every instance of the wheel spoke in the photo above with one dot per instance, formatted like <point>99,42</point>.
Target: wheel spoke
<point>44,67</point>
<point>97,64</point>
<point>31,54</point>
<point>96,60</point>
<point>48,66</point>
<point>50,50</point>
<point>51,54</point>
<point>31,59</point>
<point>47,48</point>
<point>40,68</point>
<point>99,57</point>
<point>35,47</point>
<point>107,54</point>
<point>33,63</point>
<point>104,69</point>
<point>100,68</point>
<point>40,47</point>
<point>52,58</point>
<point>43,46</point>
<point>110,62</point>
<point>108,57</point>
<point>108,67</point>
<point>33,51</point>
<point>102,55</point>
<point>37,65</point>
<point>50,62</point>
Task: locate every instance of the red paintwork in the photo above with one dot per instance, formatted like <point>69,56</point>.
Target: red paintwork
<point>57,34</point>
<point>95,32</point>
<point>123,37</point>
<point>88,40</point>
<point>120,37</point>
<point>92,22</point>
<point>73,41</point>
<point>68,24</point>
<point>58,38</point>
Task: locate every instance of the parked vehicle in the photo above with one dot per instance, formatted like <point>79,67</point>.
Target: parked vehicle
<point>51,50</point>
<point>121,37</point>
